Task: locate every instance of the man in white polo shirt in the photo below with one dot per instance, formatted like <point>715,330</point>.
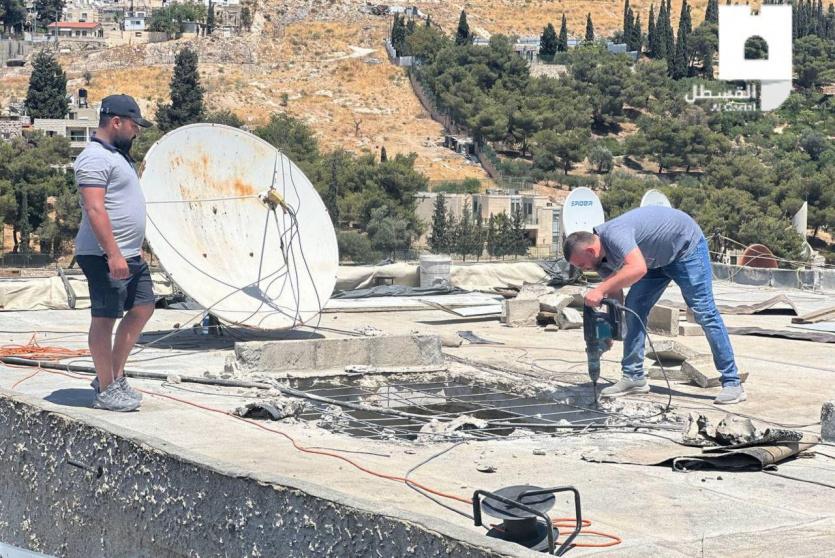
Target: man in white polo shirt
<point>108,249</point>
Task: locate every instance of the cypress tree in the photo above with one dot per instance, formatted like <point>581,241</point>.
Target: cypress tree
<point>438,241</point>
<point>669,38</point>
<point>462,35</point>
<point>548,41</point>
<point>651,32</point>
<point>383,155</point>
<point>186,105</point>
<point>589,29</point>
<point>678,68</point>
<point>712,13</point>
<point>562,44</point>
<point>428,21</point>
<point>47,94</point>
<point>637,36</point>
<point>628,21</point>
<point>398,35</point>
<point>210,18</point>
<point>332,196</point>
<point>661,33</point>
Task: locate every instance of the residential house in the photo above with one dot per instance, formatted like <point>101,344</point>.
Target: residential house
<point>79,126</point>
<point>77,30</point>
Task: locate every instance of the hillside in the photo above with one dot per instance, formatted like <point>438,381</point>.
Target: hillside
<point>324,63</point>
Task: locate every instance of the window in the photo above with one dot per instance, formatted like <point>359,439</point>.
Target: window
<point>77,134</point>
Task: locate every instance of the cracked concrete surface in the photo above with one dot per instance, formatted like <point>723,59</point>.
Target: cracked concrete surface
<point>191,452</point>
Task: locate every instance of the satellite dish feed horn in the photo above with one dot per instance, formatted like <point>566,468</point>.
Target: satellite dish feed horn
<point>582,211</point>
<point>655,197</point>
<point>239,227</point>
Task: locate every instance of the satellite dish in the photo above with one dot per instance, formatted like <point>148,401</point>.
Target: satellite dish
<point>244,262</point>
<point>582,211</point>
<point>655,197</point>
<point>758,255</point>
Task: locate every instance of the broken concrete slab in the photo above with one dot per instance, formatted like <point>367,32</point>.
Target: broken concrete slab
<point>570,318</point>
<point>703,373</point>
<point>674,373</point>
<point>828,421</point>
<point>669,351</point>
<point>517,312</point>
<point>532,291</point>
<point>687,329</point>
<point>327,354</point>
<point>663,320</point>
<point>555,302</point>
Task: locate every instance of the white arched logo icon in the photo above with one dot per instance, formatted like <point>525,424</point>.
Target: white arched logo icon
<point>774,25</point>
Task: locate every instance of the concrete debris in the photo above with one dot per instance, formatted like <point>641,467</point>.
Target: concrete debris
<point>690,330</point>
<point>554,302</point>
<point>634,410</point>
<point>703,373</point>
<point>732,430</point>
<point>454,427</point>
<point>533,291</point>
<point>392,397</point>
<point>368,331</point>
<point>277,408</point>
<point>451,341</point>
<point>669,351</point>
<point>663,320</point>
<point>552,327</point>
<point>828,421</point>
<point>539,451</point>
<point>333,418</point>
<point>570,318</point>
<point>485,468</point>
<point>174,379</point>
<point>674,372</point>
<point>517,312</point>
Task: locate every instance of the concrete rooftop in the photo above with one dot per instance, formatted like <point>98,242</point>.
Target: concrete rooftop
<point>655,510</point>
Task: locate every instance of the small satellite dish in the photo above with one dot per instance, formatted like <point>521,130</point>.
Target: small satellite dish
<point>582,211</point>
<point>758,255</point>
<point>655,197</point>
<point>244,261</point>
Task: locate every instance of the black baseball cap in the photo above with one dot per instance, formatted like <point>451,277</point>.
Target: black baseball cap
<point>123,105</point>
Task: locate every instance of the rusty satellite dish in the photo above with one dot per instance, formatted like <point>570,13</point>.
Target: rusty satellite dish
<point>758,255</point>
<point>241,254</point>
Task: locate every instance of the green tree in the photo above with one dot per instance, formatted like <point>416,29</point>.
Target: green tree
<point>186,105</point>
<point>246,18</point>
<point>468,236</point>
<point>225,117</point>
<point>383,154</point>
<point>398,35</point>
<point>462,34</point>
<point>172,18</point>
<point>438,241</point>
<point>144,141</point>
<point>712,13</point>
<point>628,19</point>
<point>356,247</point>
<point>388,232</point>
<point>601,158</point>
<point>518,242</point>
<point>426,42</point>
<point>331,197</point>
<point>294,138</point>
<point>651,34</point>
<point>559,151</point>
<point>47,94</point>
<point>13,15</point>
<point>756,49</point>
<point>210,18</point>
<point>49,11</point>
<point>814,61</point>
<point>589,29</point>
<point>562,44</point>
<point>29,174</point>
<point>548,41</point>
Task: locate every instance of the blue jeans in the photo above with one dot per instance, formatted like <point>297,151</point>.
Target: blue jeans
<point>694,277</point>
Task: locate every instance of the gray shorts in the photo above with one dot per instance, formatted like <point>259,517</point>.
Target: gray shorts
<point>109,298</point>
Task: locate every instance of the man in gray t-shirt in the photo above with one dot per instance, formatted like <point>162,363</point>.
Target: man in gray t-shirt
<point>108,249</point>
<point>644,249</point>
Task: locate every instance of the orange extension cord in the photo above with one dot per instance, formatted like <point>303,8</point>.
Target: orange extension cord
<point>34,351</point>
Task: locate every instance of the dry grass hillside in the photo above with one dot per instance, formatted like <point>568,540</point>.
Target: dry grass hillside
<point>323,62</point>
